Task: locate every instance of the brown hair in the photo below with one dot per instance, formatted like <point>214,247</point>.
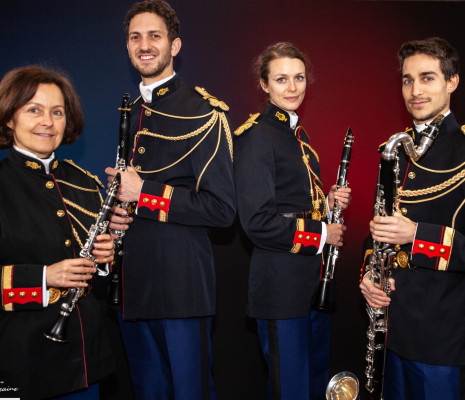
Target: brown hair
<point>279,50</point>
<point>20,85</point>
<point>434,47</point>
<point>158,7</point>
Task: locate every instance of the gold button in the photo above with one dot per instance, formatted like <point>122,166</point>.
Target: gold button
<point>442,251</point>
<point>49,185</point>
<point>162,204</point>
<point>34,294</point>
<point>148,113</point>
<point>411,175</point>
<point>22,294</point>
<point>394,264</point>
<point>154,201</point>
<point>300,236</point>
<point>67,242</point>
<point>141,150</point>
<point>315,239</point>
<point>138,167</point>
<point>431,248</point>
<point>307,237</point>
<point>421,246</point>
<point>403,210</point>
<point>11,295</point>
<point>145,199</point>
<point>60,213</point>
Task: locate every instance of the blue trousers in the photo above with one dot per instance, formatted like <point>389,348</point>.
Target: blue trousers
<point>297,354</point>
<point>412,380</point>
<point>92,393</point>
<point>170,359</point>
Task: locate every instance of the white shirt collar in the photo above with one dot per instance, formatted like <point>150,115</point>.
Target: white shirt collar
<point>420,128</point>
<point>45,161</point>
<point>146,91</point>
<point>294,118</point>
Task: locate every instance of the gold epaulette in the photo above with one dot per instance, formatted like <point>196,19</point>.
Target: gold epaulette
<point>94,177</point>
<point>214,102</point>
<point>247,124</point>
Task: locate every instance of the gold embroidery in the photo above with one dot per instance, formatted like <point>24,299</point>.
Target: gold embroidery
<point>162,91</point>
<point>280,116</point>
<point>214,102</point>
<point>33,165</point>
<point>7,283</point>
<point>300,226</point>
<point>443,265</point>
<point>55,164</point>
<point>247,124</point>
<point>167,193</point>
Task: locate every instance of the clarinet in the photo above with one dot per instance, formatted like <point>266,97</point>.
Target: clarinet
<point>122,159</point>
<point>384,255</point>
<point>57,332</point>
<point>336,218</point>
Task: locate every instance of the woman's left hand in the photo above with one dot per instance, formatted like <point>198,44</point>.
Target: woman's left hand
<point>342,195</point>
<point>104,249</point>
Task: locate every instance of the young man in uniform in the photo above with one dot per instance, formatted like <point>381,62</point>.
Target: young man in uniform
<point>181,180</point>
<point>426,327</point>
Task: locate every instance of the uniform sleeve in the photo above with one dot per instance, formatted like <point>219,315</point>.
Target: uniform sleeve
<point>211,202</point>
<point>439,248</point>
<point>255,191</point>
<point>21,287</point>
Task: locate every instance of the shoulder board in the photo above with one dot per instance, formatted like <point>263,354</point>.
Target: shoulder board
<point>247,124</point>
<point>463,129</point>
<point>94,177</point>
<point>214,102</point>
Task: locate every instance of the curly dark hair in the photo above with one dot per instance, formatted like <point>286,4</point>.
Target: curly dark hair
<point>20,85</point>
<point>279,50</point>
<point>435,47</point>
<point>159,7</point>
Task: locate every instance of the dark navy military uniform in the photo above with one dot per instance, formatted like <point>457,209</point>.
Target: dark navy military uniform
<point>274,205</point>
<point>38,226</point>
<point>183,153</point>
<point>426,315</point>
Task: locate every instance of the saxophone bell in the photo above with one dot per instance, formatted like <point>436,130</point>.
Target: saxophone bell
<point>343,386</point>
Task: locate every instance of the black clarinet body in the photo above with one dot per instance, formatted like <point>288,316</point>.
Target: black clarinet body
<point>332,254</point>
<point>384,255</point>
<point>122,159</point>
<point>57,332</point>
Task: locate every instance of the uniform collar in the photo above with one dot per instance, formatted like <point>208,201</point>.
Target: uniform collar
<point>278,115</point>
<point>31,162</point>
<point>159,90</point>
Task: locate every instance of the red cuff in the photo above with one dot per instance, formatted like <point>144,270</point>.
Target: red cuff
<point>431,249</point>
<point>22,295</point>
<point>307,239</point>
<point>154,202</point>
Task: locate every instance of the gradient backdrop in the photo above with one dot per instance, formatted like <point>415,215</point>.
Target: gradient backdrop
<point>352,46</point>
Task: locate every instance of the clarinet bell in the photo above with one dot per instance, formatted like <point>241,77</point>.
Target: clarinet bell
<point>58,331</point>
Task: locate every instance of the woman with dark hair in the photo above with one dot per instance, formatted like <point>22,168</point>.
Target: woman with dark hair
<point>282,210</point>
<point>46,209</point>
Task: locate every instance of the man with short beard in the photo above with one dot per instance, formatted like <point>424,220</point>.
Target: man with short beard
<point>426,327</point>
<point>181,180</point>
